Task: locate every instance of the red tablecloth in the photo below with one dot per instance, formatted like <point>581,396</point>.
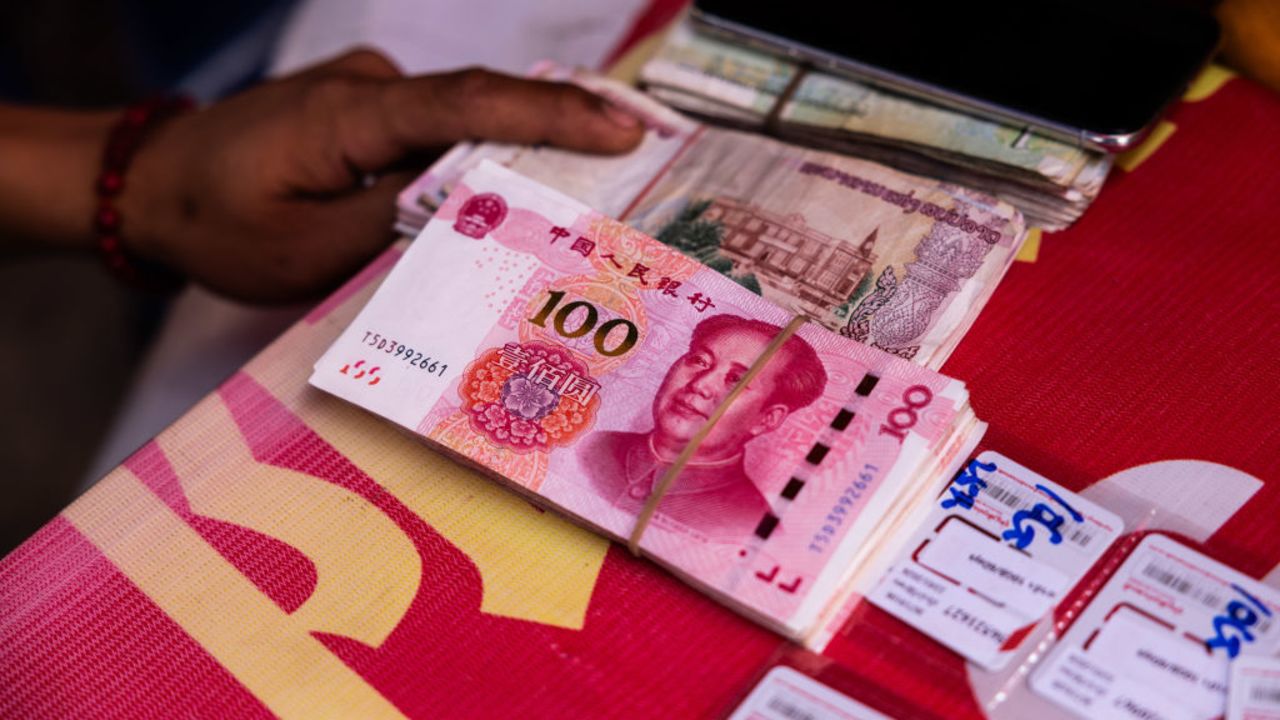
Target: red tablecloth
<point>277,551</point>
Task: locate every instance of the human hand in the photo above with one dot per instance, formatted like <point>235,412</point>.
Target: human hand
<point>262,196</point>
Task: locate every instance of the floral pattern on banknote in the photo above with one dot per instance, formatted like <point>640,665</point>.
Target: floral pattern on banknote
<point>529,396</point>
<point>455,433</point>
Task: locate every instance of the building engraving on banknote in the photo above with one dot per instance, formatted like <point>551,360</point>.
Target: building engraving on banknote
<point>787,254</point>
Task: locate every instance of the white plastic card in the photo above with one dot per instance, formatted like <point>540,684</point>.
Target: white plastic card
<point>1001,549</point>
<point>787,694</point>
<point>1254,688</point>
<point>1159,638</point>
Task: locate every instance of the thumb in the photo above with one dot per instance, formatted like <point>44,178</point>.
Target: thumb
<point>362,62</point>
<point>356,226</point>
<point>401,117</point>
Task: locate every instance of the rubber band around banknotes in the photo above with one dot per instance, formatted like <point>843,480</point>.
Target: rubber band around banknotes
<point>668,478</point>
<point>774,117</point>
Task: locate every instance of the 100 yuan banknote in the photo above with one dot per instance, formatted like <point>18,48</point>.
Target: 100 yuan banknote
<point>575,358</point>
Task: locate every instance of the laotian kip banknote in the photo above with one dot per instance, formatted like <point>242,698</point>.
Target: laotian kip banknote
<point>1051,181</point>
<point>896,261</point>
<point>577,360</point>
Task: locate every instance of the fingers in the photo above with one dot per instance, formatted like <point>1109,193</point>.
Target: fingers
<point>360,222</point>
<point>360,62</point>
<point>437,110</point>
<point>482,104</point>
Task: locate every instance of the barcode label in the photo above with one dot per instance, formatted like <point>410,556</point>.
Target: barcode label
<point>1196,589</point>
<point>785,694</point>
<point>1265,694</point>
<point>786,709</point>
<point>1007,497</point>
<point>1184,584</point>
<point>1253,689</point>
<point>1014,499</point>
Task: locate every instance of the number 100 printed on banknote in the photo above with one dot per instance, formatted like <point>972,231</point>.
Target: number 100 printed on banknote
<point>584,363</point>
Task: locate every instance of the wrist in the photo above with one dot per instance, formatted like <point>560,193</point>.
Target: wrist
<point>150,202</point>
<point>51,159</point>
<point>134,195</point>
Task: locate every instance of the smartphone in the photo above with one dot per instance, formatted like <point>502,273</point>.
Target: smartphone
<point>1095,73</point>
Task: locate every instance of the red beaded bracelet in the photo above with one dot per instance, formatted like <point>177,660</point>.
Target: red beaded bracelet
<point>126,137</point>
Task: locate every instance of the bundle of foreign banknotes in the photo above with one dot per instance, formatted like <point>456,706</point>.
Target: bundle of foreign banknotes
<point>895,261</point>
<point>658,398</point>
<point>1051,182</point>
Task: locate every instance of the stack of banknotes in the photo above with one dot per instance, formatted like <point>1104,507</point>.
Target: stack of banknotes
<point>764,459</point>
<point>898,262</point>
<point>1052,182</point>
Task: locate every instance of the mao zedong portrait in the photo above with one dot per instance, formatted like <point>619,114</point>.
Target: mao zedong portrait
<point>715,494</point>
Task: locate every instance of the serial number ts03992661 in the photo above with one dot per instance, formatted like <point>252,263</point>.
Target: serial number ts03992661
<point>413,357</point>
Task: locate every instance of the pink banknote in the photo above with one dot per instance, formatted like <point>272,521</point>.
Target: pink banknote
<point>575,359</point>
